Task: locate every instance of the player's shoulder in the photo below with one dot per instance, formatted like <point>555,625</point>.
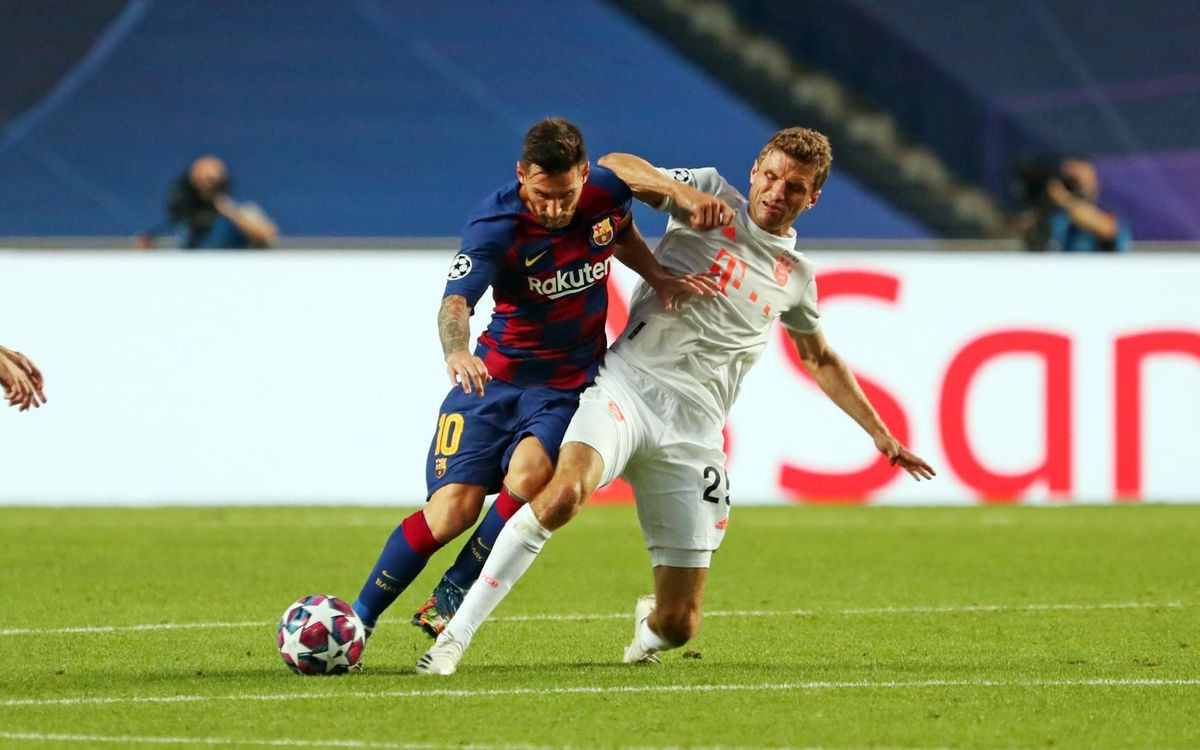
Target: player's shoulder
<point>602,181</point>
<point>794,255</point>
<point>693,176</point>
<point>494,217</point>
<point>803,267</point>
<point>503,203</point>
<point>706,180</point>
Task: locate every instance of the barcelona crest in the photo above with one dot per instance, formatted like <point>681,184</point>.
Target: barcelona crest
<point>439,467</point>
<point>603,232</point>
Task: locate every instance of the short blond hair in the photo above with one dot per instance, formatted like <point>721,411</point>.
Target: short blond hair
<point>806,146</point>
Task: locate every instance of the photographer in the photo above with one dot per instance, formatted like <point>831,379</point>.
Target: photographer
<point>1062,211</point>
<point>200,209</point>
<point>1079,225</point>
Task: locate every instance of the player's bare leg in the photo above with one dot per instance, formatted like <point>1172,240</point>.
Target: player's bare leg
<point>452,509</point>
<point>671,617</point>
<point>575,479</point>
<point>529,469</point>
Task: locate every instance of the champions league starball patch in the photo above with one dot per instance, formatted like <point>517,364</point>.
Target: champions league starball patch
<point>459,268</point>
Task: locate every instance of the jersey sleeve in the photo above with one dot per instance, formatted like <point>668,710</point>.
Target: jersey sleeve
<point>804,316</point>
<point>485,240</point>
<point>705,179</point>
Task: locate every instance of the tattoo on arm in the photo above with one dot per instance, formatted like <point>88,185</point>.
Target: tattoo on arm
<point>454,324</point>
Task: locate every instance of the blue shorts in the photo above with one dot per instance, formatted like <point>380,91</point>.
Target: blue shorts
<point>476,437</point>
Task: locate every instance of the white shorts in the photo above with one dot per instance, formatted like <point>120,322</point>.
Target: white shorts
<point>669,451</point>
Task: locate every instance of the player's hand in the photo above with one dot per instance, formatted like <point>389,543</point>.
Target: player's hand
<point>467,370</point>
<point>708,211</point>
<point>23,383</point>
<point>898,454</point>
<point>671,287</point>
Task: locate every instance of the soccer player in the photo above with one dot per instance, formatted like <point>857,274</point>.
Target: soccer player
<point>544,244</point>
<point>22,381</point>
<point>658,405</point>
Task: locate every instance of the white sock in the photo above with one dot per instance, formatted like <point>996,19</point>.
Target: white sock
<point>648,639</point>
<point>515,549</point>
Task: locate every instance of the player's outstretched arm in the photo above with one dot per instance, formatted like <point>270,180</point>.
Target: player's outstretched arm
<point>838,382</point>
<point>22,382</point>
<point>630,248</point>
<point>653,187</point>
<point>454,329</point>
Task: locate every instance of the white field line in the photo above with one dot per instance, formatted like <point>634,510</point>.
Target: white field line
<point>326,695</point>
<point>287,742</point>
<point>127,740</point>
<point>947,609</point>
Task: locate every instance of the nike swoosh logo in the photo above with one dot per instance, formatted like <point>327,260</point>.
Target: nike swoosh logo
<point>390,578</point>
<point>530,261</point>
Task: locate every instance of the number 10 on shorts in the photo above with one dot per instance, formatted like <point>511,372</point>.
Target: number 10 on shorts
<point>449,433</point>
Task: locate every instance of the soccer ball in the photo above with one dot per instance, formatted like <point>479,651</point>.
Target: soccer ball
<point>321,634</point>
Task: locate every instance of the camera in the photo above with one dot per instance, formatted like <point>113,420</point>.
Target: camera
<point>189,206</point>
<point>1031,181</point>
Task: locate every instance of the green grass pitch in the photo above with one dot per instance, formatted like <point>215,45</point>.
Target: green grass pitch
<point>826,627</point>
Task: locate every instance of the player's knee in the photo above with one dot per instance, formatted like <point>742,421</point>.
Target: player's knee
<point>452,510</point>
<point>563,499</point>
<point>677,627</point>
<point>528,480</point>
<point>530,468</point>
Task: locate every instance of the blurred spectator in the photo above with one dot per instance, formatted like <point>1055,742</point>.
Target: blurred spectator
<point>1063,209</point>
<point>22,382</point>
<point>201,213</point>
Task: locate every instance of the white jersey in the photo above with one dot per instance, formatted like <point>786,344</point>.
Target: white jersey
<point>703,349</point>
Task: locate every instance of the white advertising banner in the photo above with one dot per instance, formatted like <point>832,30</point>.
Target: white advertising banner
<point>316,377</point>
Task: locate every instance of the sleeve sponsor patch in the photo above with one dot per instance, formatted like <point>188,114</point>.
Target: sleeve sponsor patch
<point>460,267</point>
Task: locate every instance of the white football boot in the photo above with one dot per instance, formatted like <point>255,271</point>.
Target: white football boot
<point>634,653</point>
<point>443,656</point>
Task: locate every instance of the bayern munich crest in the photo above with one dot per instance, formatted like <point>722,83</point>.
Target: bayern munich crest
<point>459,268</point>
<point>783,271</point>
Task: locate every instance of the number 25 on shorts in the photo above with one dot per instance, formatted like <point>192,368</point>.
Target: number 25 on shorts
<point>712,491</point>
<point>449,434</point>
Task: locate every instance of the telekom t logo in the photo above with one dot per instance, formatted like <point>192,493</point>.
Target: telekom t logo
<point>731,268</point>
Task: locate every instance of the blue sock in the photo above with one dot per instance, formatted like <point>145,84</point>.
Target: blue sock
<point>404,556</point>
<point>470,560</point>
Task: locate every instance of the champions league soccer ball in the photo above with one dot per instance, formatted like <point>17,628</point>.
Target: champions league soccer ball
<point>321,634</point>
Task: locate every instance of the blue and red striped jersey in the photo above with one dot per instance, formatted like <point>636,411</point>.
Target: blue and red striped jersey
<point>550,286</point>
